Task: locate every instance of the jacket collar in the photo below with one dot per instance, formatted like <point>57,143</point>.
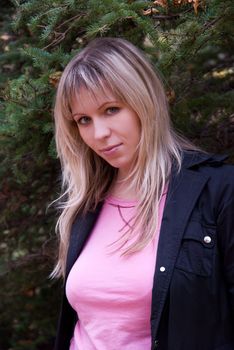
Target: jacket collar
<point>192,159</point>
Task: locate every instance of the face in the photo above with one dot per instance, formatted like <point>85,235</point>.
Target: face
<point>109,127</point>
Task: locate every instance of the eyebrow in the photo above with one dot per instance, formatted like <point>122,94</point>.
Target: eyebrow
<point>100,107</point>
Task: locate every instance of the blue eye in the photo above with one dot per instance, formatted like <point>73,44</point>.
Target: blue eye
<point>112,110</point>
<point>83,120</point>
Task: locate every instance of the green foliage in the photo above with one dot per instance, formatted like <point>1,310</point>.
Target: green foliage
<point>37,39</point>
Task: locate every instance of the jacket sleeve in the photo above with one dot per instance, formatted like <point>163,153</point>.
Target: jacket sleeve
<point>225,226</point>
<point>66,324</point>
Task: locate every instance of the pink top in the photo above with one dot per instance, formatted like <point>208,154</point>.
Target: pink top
<point>112,293</point>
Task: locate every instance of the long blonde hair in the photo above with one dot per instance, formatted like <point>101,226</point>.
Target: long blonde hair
<point>117,65</point>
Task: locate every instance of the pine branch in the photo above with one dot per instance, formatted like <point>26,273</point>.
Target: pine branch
<point>171,16</point>
<point>60,36</point>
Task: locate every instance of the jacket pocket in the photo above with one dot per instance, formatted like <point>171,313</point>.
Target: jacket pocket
<point>197,249</point>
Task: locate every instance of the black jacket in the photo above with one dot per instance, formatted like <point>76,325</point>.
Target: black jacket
<point>193,294</point>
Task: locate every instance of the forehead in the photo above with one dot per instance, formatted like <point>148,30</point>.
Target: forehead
<point>85,99</point>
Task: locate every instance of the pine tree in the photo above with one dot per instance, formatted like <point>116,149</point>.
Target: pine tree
<point>189,41</point>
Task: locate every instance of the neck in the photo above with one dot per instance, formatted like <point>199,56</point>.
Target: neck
<point>122,189</point>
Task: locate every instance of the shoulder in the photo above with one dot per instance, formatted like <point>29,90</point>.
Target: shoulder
<point>219,172</point>
<point>211,164</point>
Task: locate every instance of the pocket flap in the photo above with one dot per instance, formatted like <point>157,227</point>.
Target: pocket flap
<point>200,233</point>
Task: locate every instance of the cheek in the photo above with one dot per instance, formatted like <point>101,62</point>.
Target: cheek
<point>85,136</point>
<point>135,124</point>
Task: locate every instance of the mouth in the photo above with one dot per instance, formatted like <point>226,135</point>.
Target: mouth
<point>110,149</point>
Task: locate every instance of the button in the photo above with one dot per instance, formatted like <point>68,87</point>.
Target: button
<point>207,239</point>
<point>155,344</point>
<point>162,269</point>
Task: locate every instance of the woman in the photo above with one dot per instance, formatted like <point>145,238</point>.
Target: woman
<point>147,227</point>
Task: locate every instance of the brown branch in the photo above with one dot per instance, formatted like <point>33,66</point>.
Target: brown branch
<point>70,19</point>
<point>210,24</point>
<point>165,17</point>
<point>207,26</point>
<point>56,41</point>
<point>5,98</point>
<point>171,16</point>
<point>61,36</point>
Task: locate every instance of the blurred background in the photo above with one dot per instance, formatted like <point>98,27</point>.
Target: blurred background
<point>189,41</point>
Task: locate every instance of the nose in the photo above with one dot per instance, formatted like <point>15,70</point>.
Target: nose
<point>101,129</point>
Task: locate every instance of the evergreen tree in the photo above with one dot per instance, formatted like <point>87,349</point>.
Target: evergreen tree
<point>190,42</point>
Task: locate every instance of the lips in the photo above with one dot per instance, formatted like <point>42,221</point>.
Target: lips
<point>111,149</point>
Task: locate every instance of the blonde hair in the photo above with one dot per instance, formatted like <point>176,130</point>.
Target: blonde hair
<point>115,65</point>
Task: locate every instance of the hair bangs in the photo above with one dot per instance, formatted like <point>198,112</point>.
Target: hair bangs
<point>86,77</point>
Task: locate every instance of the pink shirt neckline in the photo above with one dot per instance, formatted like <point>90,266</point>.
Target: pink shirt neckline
<point>120,201</point>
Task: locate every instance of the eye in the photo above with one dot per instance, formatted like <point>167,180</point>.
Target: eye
<point>83,120</point>
<point>112,110</point>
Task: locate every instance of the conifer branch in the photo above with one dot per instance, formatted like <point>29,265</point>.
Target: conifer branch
<point>70,19</point>
<point>166,17</point>
<point>8,99</point>
<point>62,36</point>
<point>212,23</point>
<point>206,27</point>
